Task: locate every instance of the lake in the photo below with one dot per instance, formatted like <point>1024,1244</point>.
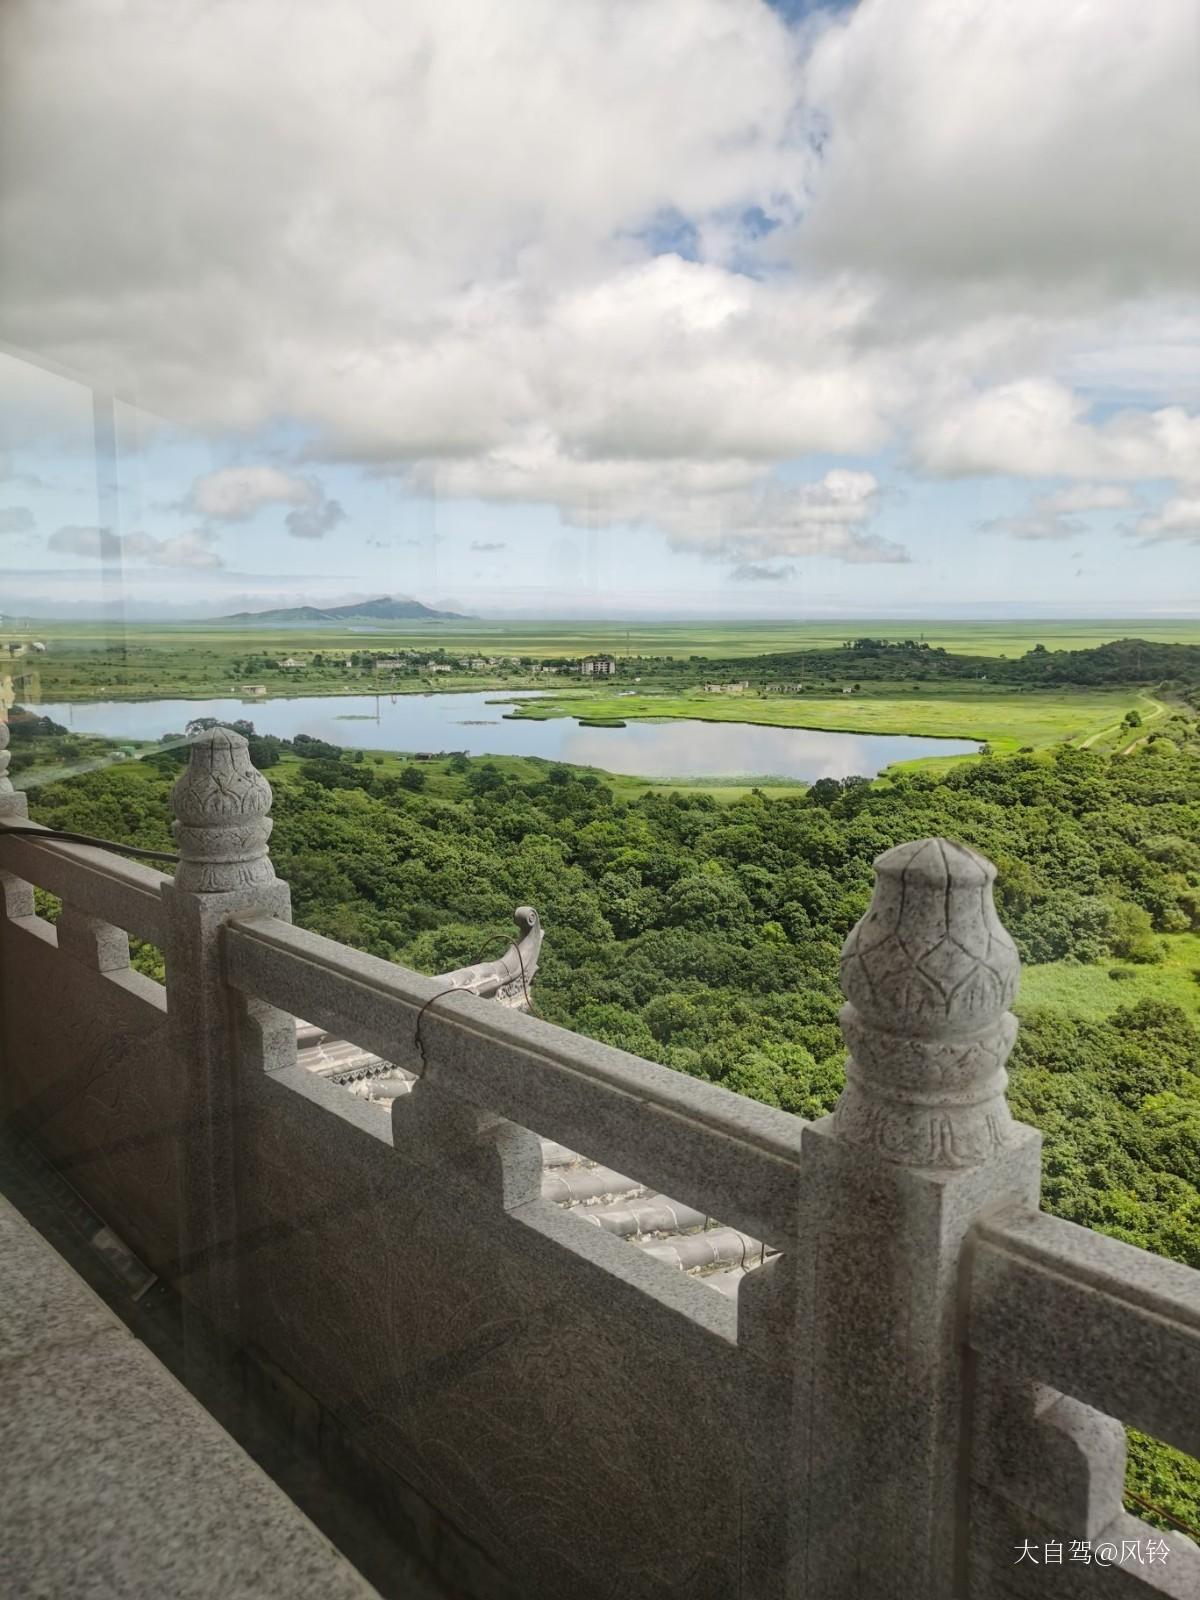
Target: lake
<point>476,723</point>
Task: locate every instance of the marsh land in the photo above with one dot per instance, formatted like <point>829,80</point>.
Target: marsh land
<point>1011,686</point>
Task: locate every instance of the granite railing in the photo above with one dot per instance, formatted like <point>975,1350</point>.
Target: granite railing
<point>913,1397</point>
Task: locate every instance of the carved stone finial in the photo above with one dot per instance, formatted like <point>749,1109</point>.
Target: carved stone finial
<point>13,805</point>
<point>221,803</point>
<point>507,979</point>
<point>929,973</point>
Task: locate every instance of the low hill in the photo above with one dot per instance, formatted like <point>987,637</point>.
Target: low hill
<point>1120,661</point>
<point>387,608</point>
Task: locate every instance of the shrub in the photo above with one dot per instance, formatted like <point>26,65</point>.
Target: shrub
<point>1130,933</point>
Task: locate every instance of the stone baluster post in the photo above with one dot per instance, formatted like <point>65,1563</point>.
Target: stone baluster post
<point>221,828</point>
<point>920,1146</point>
<point>16,896</point>
<point>12,805</point>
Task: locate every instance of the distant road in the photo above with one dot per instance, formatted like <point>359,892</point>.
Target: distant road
<point>1160,710</point>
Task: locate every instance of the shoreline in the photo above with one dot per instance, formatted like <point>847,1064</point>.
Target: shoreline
<point>784,727</point>
<point>563,715</point>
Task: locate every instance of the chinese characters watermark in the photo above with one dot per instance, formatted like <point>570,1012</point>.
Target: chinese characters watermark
<point>1104,1553</point>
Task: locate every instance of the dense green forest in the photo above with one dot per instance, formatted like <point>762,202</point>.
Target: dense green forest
<point>1122,661</point>
<point>706,936</point>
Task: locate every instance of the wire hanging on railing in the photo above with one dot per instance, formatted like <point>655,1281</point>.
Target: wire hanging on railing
<point>66,837</point>
<point>1160,1511</point>
<point>514,947</point>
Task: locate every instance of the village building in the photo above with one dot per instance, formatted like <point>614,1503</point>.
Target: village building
<point>598,667</point>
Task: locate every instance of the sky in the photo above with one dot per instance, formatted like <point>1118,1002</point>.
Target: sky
<point>680,308</point>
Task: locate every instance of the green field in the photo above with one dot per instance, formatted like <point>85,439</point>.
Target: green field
<point>445,784</point>
<point>566,639</point>
<point>1004,718</point>
<point>1089,991</point>
<point>201,661</point>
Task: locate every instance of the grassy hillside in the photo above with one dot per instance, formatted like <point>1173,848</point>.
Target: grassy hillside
<point>1095,991</point>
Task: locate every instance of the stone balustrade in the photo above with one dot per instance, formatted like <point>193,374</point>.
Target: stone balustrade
<point>924,1374</point>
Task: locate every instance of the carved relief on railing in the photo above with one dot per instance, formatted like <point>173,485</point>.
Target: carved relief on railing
<point>929,972</point>
<point>221,803</point>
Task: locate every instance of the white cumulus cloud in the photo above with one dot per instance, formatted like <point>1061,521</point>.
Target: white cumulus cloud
<point>625,259</point>
<point>1178,518</point>
<point>194,550</point>
<point>1087,497</point>
<point>1039,428</point>
<point>1056,515</point>
<point>1032,144</point>
<point>234,494</point>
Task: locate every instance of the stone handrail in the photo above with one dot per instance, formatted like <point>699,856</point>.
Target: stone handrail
<point>124,893</point>
<point>874,1415</point>
<point>694,1140</point>
<point>1072,1331</point>
<point>1035,1278</point>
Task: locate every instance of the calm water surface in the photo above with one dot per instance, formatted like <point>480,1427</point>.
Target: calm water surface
<point>475,723</point>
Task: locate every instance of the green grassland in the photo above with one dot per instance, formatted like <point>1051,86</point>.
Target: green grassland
<point>222,640</point>
<point>1092,991</point>
<point>1006,719</point>
<point>442,782</point>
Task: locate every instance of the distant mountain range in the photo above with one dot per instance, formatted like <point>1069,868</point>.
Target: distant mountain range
<point>387,608</point>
